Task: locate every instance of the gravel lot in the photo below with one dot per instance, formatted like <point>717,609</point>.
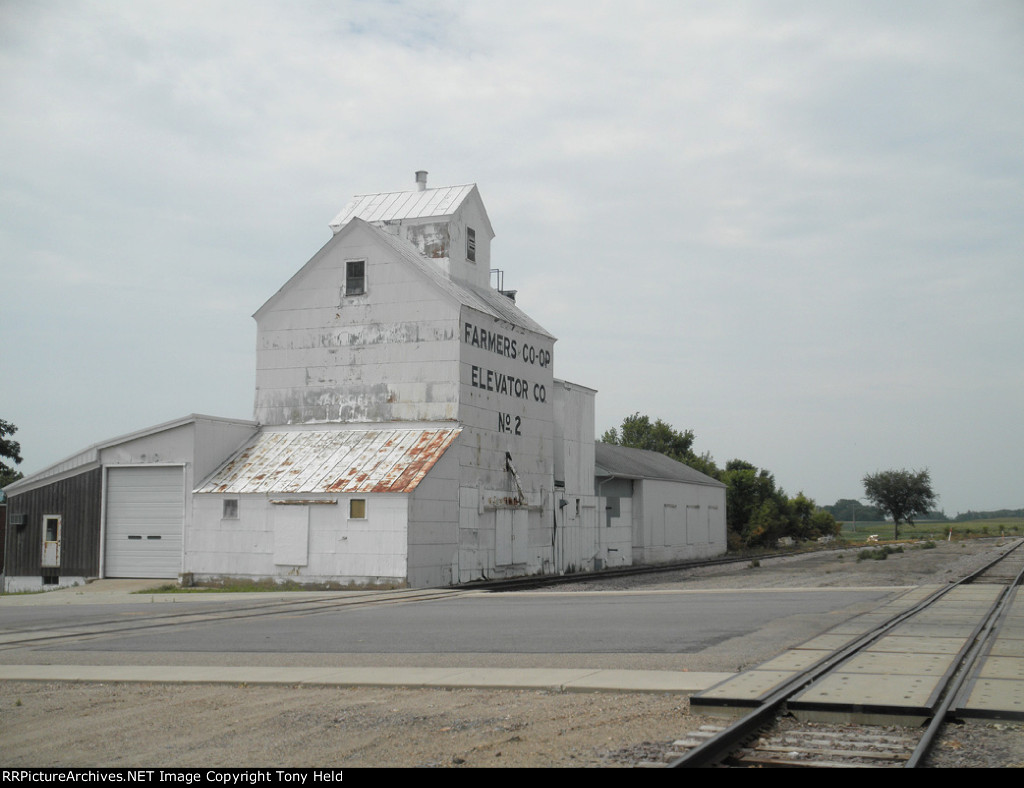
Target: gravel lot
<point>124,725</point>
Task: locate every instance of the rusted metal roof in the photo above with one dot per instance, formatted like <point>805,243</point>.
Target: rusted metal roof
<point>332,461</point>
<point>403,205</point>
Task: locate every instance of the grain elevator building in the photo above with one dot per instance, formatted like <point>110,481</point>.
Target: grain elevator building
<point>408,428</point>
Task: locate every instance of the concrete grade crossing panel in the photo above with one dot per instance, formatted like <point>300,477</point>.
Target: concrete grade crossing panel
<point>998,689</point>
<point>898,680</point>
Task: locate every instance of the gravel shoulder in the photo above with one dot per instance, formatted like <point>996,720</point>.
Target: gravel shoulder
<point>126,725</point>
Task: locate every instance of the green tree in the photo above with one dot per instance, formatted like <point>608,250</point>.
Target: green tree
<point>9,450</point>
<point>756,511</point>
<point>851,510</point>
<point>824,524</point>
<point>637,432</point>
<point>902,494</point>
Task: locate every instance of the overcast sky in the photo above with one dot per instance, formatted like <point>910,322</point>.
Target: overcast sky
<point>796,228</point>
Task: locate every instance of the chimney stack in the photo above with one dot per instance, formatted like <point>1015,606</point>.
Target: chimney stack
<point>421,180</point>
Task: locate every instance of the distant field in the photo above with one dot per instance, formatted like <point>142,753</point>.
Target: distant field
<point>1009,526</point>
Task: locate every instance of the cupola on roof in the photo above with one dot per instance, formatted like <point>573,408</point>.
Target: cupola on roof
<point>421,203</point>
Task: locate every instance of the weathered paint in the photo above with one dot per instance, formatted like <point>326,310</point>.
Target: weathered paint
<point>331,461</point>
<point>429,340</point>
<point>299,541</point>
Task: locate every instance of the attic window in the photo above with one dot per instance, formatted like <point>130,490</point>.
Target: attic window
<point>355,277</point>
<point>471,244</point>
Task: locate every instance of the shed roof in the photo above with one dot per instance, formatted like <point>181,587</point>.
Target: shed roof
<point>625,463</point>
<point>332,461</point>
<point>90,458</point>
<point>390,206</point>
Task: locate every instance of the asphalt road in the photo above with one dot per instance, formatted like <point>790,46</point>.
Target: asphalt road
<point>666,622</point>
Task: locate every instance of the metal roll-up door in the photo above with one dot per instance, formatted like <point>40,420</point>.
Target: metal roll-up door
<point>145,520</point>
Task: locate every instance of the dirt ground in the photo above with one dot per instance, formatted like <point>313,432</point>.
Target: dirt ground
<point>125,725</point>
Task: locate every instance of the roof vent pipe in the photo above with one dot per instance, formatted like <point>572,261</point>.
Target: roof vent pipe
<point>421,180</point>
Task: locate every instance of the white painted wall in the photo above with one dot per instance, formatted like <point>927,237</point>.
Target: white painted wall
<point>444,240</point>
<point>434,525</point>
<point>264,541</point>
<point>199,444</point>
<point>505,406</point>
<point>675,521</point>
<point>574,436</point>
<point>390,354</point>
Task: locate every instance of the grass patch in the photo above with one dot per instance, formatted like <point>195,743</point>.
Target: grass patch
<point>934,531</point>
<point>880,554</point>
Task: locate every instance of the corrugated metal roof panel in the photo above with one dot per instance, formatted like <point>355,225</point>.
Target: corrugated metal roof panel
<point>627,463</point>
<point>403,205</point>
<point>326,461</point>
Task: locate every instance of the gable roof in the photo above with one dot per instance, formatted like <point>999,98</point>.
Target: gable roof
<point>396,206</point>
<point>483,299</point>
<point>625,463</point>
<point>89,458</point>
<point>331,461</point>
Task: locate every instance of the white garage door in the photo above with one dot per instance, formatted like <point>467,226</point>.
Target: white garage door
<point>145,520</point>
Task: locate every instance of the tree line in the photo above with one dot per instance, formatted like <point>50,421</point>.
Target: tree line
<point>758,511</point>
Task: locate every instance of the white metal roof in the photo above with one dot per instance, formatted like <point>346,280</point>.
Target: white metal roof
<point>424,204</point>
<point>332,461</point>
<point>89,458</point>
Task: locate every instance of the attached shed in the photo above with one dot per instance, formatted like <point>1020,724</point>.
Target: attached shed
<point>331,504</point>
<point>116,509</point>
<point>673,511</point>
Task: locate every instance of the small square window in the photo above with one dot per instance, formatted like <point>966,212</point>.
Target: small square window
<point>357,509</point>
<point>471,244</point>
<point>355,277</point>
<point>230,511</point>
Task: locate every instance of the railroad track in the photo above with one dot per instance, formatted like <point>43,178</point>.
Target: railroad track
<point>119,623</point>
<point>769,732</point>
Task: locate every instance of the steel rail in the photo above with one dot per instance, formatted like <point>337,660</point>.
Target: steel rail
<point>526,583</point>
<point>983,635</point>
<point>717,747</point>
<point>27,638</point>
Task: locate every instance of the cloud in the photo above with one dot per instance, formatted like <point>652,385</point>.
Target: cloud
<point>788,226</point>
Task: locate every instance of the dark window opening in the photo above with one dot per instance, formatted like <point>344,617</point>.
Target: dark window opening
<point>471,244</point>
<point>355,277</point>
<point>51,580</point>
